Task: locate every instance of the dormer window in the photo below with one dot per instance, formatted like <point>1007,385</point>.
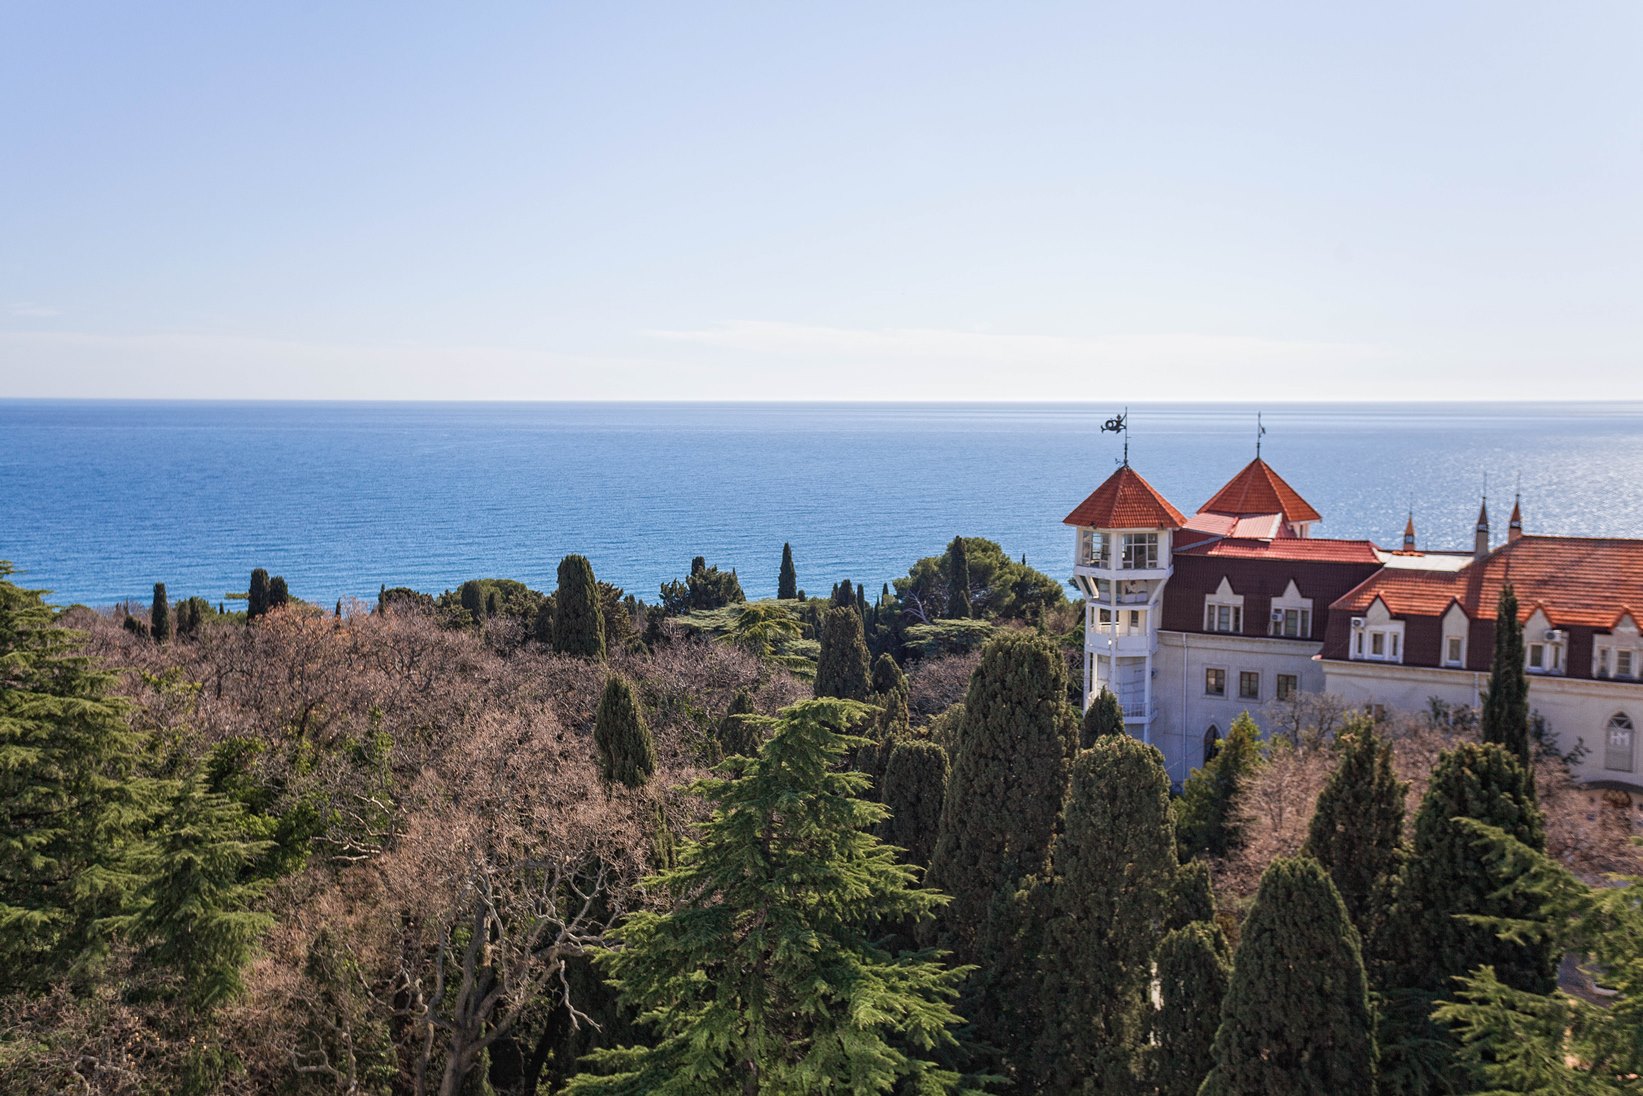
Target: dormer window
<point>1291,614</point>
<point>1140,551</point>
<point>1224,610</point>
<point>1456,627</point>
<point>1545,645</point>
<point>1376,637</point>
<point>1620,653</point>
<point>1454,651</point>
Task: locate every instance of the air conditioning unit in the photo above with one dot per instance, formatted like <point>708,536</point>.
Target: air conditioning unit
<point>1357,624</point>
<point>1555,635</point>
<point>1278,614</point>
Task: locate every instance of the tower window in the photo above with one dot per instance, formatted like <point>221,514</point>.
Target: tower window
<point>1140,551</point>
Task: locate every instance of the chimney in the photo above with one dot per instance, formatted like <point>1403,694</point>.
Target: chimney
<point>1409,533</point>
<point>1480,547</point>
<point>1515,529</point>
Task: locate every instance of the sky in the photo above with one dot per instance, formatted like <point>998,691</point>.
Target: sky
<point>833,201</point>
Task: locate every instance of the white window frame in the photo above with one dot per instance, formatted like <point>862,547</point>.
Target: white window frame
<point>1291,602</point>
<point>1620,758</point>
<point>1224,603</point>
<point>1143,544</point>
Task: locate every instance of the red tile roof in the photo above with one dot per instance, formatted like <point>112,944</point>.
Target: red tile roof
<point>1260,490</point>
<point>1250,527</point>
<point>1583,581</point>
<point>1126,501</point>
<point>1310,549</point>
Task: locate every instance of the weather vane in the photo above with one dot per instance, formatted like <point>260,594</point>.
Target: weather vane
<point>1260,432</point>
<point>1120,424</point>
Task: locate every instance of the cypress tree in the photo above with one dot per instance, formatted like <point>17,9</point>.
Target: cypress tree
<point>739,730</point>
<point>958,580</point>
<point>1296,1018</point>
<point>279,595</point>
<point>1205,822</point>
<point>844,595</point>
<point>913,789</point>
<point>382,595</point>
<point>1192,896</point>
<point>471,596</point>
<point>1112,863</point>
<point>842,668</point>
<point>887,677</point>
<point>256,602</point>
<point>578,624</point>
<point>627,755</point>
<point>765,975</point>
<point>861,602</point>
<point>159,615</point>
<point>338,611</point>
<point>73,797</point>
<point>1104,716</point>
<point>1506,703</point>
<point>1193,973</point>
<point>1357,830</point>
<point>787,582</point>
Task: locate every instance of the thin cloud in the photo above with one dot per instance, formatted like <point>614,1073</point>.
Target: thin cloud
<point>28,310</point>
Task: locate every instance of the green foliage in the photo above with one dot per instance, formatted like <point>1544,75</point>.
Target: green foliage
<point>1112,864</point>
<point>627,755</point>
<point>279,595</point>
<point>471,596</point>
<point>73,797</point>
<point>341,1039</point>
<point>1356,832</point>
<point>958,581</point>
<point>842,669</point>
<point>787,581</point>
<point>948,637</point>
<point>913,789</point>
<point>1000,588</point>
<point>764,975</point>
<point>1296,1018</point>
<point>256,603</point>
<point>763,627</point>
<point>578,622</point>
<point>192,616</point>
<point>887,677</point>
<point>1506,702</point>
<point>704,588</point>
<point>1194,971</point>
<point>1192,896</point>
<point>393,599</point>
<point>159,616</point>
<point>1104,716</point>
<point>1204,818</point>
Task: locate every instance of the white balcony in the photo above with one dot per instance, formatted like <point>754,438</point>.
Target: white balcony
<point>1122,644</point>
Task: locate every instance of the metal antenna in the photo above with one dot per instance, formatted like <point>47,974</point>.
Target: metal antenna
<point>1260,432</point>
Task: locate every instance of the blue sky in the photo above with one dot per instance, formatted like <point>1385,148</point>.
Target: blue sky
<point>1029,201</point>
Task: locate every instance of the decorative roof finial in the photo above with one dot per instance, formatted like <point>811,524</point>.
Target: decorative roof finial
<point>1260,432</point>
<point>1120,424</point>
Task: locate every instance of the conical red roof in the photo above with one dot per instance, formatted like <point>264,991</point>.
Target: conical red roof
<point>1260,490</point>
<point>1126,501</point>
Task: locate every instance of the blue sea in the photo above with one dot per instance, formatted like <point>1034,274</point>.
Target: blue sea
<point>99,500</point>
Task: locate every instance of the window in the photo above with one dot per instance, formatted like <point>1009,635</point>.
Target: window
<point>1292,623</point>
<point>1617,752</point>
<point>1249,685</point>
<point>1377,644</point>
<point>1537,656</point>
<point>1623,664</point>
<point>1223,618</point>
<point>1452,653</point>
<point>1212,743</point>
<point>1384,644</point>
<point>1602,662</point>
<point>1215,683</point>
<point>1095,549</point>
<point>1140,551</point>
<point>1288,686</point>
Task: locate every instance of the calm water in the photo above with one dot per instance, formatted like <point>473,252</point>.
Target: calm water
<point>100,500</point>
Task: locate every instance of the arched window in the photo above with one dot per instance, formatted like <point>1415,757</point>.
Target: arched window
<point>1619,747</point>
<point>1212,742</point>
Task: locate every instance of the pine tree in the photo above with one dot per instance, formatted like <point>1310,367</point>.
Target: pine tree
<point>958,581</point>
<point>279,595</point>
<point>73,797</point>
<point>159,616</point>
<point>256,602</point>
<point>1112,864</point>
<point>1296,1018</point>
<point>913,789</point>
<point>1506,703</point>
<point>1192,896</point>
<point>197,914</point>
<point>740,731</point>
<point>787,582</point>
<point>1193,973</point>
<point>578,624</point>
<point>1104,716</point>
<point>1357,830</point>
<point>627,755</point>
<point>842,667</point>
<point>1205,821</point>
<point>764,976</point>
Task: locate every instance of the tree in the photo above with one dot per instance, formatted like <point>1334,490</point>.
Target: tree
<point>887,677</point>
<point>763,975</point>
<point>1192,896</point>
<point>842,667</point>
<point>159,616</point>
<point>1205,820</point>
<point>1296,1018</point>
<point>1357,830</point>
<point>1193,973</point>
<point>787,582</point>
<point>256,602</point>
<point>762,627</point>
<point>1104,716</point>
<point>1112,865</point>
<point>1001,588</point>
<point>958,580</point>
<point>472,598</point>
<point>1506,703</point>
<point>704,588</point>
<point>279,595</point>
<point>739,732</point>
<point>578,623</point>
<point>627,755</point>
<point>913,789</point>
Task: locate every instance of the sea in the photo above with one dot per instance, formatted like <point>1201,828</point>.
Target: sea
<point>99,500</point>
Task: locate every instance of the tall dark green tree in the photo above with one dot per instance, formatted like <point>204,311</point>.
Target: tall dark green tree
<point>159,616</point>
<point>1194,969</point>
<point>887,677</point>
<point>1205,819</point>
<point>842,668</point>
<point>1356,832</point>
<point>578,623</point>
<point>765,974</point>
<point>1192,896</point>
<point>74,798</point>
<point>1296,1018</point>
<point>1506,703</point>
<point>958,581</point>
<point>787,581</point>
<point>740,731</point>
<point>471,596</point>
<point>627,754</point>
<point>256,602</point>
<point>913,789</point>
<point>1104,716</point>
<point>279,594</point>
<point>1112,864</point>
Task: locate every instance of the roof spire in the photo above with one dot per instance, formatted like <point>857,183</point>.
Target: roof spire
<point>1409,532</point>
<point>1260,432</point>
<point>1120,424</point>
<point>1514,528</point>
<point>1480,542</point>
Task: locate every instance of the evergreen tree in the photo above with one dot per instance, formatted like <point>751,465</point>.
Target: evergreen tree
<point>279,595</point>
<point>887,677</point>
<point>627,755</point>
<point>256,602</point>
<point>764,976</point>
<point>578,623</point>
<point>958,581</point>
<point>471,596</point>
<point>1112,863</point>
<point>1104,716</point>
<point>196,915</point>
<point>844,595</point>
<point>1357,830</point>
<point>787,582</point>
<point>739,732</point>
<point>1192,896</point>
<point>913,789</point>
<point>1193,973</point>
<point>842,666</point>
<point>1506,703</point>
<point>1296,1018</point>
<point>159,616</point>
<point>73,797</point>
<point>1205,821</point>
